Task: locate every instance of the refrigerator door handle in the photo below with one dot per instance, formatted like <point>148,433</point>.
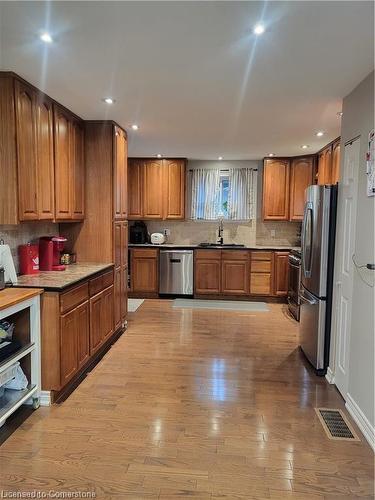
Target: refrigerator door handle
<point>307,232</point>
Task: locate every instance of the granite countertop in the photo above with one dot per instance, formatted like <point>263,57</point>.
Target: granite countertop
<point>254,247</point>
<point>58,280</point>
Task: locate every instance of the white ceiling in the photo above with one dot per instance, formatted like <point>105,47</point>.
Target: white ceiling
<point>192,74</point>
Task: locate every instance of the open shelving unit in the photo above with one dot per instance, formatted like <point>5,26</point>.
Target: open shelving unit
<point>26,317</point>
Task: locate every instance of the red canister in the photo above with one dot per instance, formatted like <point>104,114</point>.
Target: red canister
<point>29,258</point>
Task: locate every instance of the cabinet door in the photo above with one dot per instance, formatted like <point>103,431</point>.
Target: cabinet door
<point>124,243</point>
<point>281,269</point>
<point>325,166</point>
<point>44,155</point>
<point>124,293</point>
<point>153,189</point>
<point>26,152</point>
<point>144,270</point>
<point>68,346</point>
<point>335,162</point>
<point>135,189</point>
<point>117,297</point>
<point>107,313</point>
<point>174,189</point>
<point>207,272</point>
<point>96,322</point>
<point>235,272</point>
<point>117,237</point>
<point>63,173</point>
<point>78,169</point>
<point>82,332</point>
<point>276,189</point>
<point>301,178</point>
<point>120,174</point>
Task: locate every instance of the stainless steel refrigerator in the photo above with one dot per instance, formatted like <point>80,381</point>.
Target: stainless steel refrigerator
<point>318,247</point>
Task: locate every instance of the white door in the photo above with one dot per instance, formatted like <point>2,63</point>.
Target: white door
<point>343,281</point>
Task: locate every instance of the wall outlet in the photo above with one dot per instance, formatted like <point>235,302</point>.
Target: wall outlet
<point>273,233</point>
<point>167,232</point>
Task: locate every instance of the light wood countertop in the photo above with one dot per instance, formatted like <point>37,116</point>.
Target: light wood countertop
<point>12,296</point>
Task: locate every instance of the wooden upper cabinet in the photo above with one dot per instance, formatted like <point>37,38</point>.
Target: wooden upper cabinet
<point>153,189</point>
<point>281,271</point>
<point>276,189</point>
<point>69,166</point>
<point>335,162</point>
<point>26,152</point>
<point>174,189</point>
<point>120,174</point>
<point>44,157</point>
<point>135,189</point>
<point>78,170</point>
<point>325,166</point>
<point>301,177</point>
<point>63,170</point>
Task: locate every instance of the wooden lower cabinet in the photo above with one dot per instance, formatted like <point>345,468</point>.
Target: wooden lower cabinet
<point>235,272</point>
<point>261,271</point>
<point>101,318</point>
<point>207,272</point>
<point>281,271</point>
<point>144,270</point>
<point>75,325</point>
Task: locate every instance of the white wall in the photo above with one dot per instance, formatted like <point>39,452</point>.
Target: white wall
<point>358,120</point>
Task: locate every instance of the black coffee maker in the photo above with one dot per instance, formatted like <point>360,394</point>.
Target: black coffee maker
<point>138,233</point>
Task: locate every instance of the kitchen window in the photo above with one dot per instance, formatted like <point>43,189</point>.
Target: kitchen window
<point>228,194</point>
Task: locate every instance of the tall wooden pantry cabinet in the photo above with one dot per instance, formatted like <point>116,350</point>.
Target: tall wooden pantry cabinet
<point>103,237</point>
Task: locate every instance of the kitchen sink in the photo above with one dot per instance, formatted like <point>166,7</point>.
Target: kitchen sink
<point>218,245</point>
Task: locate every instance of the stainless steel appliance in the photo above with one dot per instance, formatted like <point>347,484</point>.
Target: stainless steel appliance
<point>294,283</point>
<point>176,272</point>
<point>318,246</point>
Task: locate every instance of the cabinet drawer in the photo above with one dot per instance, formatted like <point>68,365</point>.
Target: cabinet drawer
<point>261,266</point>
<point>208,254</point>
<point>260,284</point>
<point>70,299</point>
<point>100,282</point>
<point>234,254</point>
<point>261,255</point>
<point>144,252</point>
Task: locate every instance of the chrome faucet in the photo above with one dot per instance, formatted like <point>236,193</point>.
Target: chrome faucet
<point>220,238</point>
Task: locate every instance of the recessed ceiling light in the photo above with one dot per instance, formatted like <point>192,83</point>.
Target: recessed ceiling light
<point>220,158</point>
<point>259,29</point>
<point>135,127</point>
<point>339,113</point>
<point>320,133</point>
<point>271,154</point>
<point>159,155</point>
<point>46,37</point>
<point>109,100</point>
<point>304,146</point>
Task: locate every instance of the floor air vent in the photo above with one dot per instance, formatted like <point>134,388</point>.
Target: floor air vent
<point>336,424</point>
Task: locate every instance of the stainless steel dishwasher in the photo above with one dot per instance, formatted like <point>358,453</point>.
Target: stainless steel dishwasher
<point>176,272</point>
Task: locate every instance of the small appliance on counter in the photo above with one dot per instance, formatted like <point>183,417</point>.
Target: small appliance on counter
<point>138,233</point>
<point>6,262</point>
<point>50,249</point>
<point>157,238</point>
<point>28,258</point>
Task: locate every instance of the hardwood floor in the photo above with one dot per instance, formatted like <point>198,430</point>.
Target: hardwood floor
<point>203,404</point>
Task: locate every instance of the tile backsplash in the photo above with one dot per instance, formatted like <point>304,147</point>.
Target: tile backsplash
<point>25,233</point>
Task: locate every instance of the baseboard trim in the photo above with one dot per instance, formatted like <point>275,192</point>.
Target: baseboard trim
<point>330,377</point>
<point>361,420</point>
<point>45,398</point>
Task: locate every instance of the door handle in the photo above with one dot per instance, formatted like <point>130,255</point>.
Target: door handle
<point>303,297</point>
